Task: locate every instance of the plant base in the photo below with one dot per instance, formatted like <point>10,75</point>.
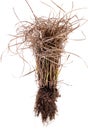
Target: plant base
<point>45,102</point>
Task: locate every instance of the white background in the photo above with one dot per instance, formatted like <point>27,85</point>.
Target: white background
<point>17,95</point>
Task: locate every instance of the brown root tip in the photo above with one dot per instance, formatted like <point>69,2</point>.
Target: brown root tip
<point>45,103</point>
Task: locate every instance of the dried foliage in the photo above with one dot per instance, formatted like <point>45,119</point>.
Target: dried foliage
<point>47,37</point>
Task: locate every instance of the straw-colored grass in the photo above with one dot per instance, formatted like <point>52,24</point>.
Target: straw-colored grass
<point>47,37</point>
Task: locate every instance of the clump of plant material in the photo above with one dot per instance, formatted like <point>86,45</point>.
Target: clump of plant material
<point>47,37</point>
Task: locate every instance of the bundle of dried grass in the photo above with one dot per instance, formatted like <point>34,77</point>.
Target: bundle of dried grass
<point>47,37</point>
